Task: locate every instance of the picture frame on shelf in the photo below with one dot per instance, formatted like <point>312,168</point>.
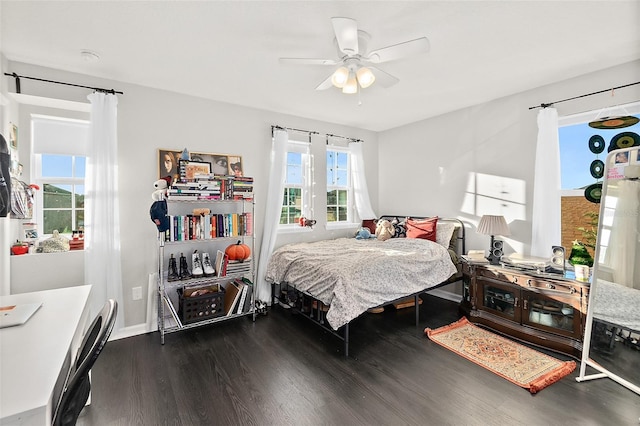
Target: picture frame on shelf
<point>189,168</point>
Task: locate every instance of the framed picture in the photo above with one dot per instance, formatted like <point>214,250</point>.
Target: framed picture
<point>221,164</point>
<point>30,234</point>
<point>189,168</point>
<point>13,136</point>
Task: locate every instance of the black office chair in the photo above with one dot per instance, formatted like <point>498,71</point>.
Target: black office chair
<point>76,392</point>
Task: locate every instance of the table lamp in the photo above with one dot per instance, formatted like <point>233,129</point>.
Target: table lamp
<point>493,225</point>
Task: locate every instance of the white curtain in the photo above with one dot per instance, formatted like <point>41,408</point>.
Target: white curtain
<point>545,221</point>
<point>273,208</point>
<point>623,251</point>
<point>102,218</point>
<point>361,192</point>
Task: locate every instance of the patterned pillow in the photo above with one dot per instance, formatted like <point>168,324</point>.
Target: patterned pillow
<point>444,233</point>
<point>422,228</point>
<point>400,229</point>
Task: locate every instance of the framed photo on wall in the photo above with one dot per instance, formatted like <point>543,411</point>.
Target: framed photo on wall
<point>221,164</point>
<point>13,136</point>
<point>189,168</point>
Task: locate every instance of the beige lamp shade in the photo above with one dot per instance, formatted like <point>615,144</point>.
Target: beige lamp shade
<point>493,225</point>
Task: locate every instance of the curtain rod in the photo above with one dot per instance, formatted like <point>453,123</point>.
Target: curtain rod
<point>97,89</point>
<point>546,105</point>
<point>312,132</point>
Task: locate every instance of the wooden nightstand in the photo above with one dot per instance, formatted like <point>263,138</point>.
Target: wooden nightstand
<point>544,309</point>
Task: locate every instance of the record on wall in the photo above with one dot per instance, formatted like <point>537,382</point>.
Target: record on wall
<point>596,144</point>
<point>614,122</point>
<point>624,140</point>
<point>593,192</point>
<point>597,169</point>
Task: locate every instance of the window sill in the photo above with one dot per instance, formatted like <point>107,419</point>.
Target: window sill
<point>342,225</point>
<point>295,229</point>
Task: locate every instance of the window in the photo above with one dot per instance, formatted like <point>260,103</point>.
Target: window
<point>297,188</point>
<point>339,190</point>
<point>580,168</point>
<point>59,169</point>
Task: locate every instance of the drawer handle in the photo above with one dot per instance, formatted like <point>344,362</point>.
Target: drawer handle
<point>551,286</point>
<point>529,283</point>
<point>515,279</point>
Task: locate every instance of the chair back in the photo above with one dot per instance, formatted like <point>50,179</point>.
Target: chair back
<point>76,392</point>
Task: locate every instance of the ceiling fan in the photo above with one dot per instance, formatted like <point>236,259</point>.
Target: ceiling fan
<point>356,61</point>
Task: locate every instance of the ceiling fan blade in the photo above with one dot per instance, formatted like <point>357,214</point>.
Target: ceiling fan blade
<point>307,61</point>
<point>346,30</point>
<point>383,78</point>
<point>400,50</point>
<point>325,84</point>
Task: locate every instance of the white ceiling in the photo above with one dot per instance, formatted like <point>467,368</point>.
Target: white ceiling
<point>228,50</point>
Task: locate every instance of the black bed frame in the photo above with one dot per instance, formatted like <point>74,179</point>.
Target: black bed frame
<point>287,296</point>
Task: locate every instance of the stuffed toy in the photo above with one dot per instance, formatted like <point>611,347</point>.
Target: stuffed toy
<point>384,230</point>
<point>364,234</point>
<point>159,210</point>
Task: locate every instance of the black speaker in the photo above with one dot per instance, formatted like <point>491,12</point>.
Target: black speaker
<point>557,258</point>
<point>496,252</point>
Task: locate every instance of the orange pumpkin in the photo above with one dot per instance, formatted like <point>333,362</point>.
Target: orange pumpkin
<point>238,251</point>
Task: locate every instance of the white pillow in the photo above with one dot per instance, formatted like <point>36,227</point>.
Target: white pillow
<point>444,232</point>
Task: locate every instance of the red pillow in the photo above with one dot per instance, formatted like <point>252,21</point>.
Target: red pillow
<point>422,228</point>
<point>370,224</point>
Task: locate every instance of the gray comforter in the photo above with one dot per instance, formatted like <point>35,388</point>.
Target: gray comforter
<point>354,275</point>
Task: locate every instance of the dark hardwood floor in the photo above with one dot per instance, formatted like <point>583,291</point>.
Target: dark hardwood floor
<point>283,370</point>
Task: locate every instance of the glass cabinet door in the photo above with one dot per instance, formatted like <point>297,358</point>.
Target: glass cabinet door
<point>499,299</point>
<point>551,313</point>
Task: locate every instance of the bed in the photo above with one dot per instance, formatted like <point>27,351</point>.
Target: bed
<point>332,282</point>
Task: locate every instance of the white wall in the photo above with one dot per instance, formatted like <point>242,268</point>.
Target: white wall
<point>480,160</point>
<point>149,119</point>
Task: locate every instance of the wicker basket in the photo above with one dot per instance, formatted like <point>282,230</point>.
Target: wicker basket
<point>200,303</point>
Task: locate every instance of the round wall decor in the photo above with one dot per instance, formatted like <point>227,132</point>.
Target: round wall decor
<point>596,144</point>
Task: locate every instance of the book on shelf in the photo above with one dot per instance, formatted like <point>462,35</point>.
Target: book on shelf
<point>243,297</point>
<point>221,263</point>
<point>232,294</point>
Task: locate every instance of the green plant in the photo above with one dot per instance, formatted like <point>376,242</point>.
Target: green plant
<point>590,232</point>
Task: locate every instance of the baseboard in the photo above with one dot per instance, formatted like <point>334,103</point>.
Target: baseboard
<point>134,330</point>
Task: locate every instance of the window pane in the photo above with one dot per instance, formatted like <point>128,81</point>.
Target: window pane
<point>332,199</point>
<point>331,214</point>
<point>294,175</point>
<point>294,168</point>
<point>79,196</point>
<point>342,214</point>
<point>283,216</point>
<point>56,196</point>
<point>342,160</point>
<point>342,198</point>
<point>57,220</point>
<point>56,165</point>
<point>80,167</point>
<point>79,219</point>
<point>341,178</point>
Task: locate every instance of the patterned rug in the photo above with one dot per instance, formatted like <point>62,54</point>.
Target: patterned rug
<point>519,364</point>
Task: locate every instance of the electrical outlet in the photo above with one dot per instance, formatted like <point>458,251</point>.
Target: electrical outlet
<point>136,293</point>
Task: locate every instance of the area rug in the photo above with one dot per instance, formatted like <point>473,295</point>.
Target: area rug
<point>517,363</point>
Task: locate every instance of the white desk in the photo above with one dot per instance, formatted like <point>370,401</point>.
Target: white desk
<point>32,355</point>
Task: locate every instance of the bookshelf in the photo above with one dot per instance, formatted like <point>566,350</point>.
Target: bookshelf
<point>206,215</point>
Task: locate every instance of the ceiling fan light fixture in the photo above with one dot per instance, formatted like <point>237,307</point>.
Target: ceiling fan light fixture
<point>340,77</point>
<point>365,77</point>
<point>351,86</point>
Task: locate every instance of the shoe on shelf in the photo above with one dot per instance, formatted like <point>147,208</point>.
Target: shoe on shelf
<point>173,269</point>
<point>196,264</point>
<point>184,268</point>
<point>207,267</point>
